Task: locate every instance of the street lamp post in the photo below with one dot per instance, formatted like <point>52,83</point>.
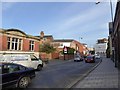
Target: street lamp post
<point>112,33</point>
<point>80,38</point>
<point>111,9</point>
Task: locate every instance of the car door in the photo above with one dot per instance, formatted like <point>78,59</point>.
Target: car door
<point>10,74</point>
<point>35,61</point>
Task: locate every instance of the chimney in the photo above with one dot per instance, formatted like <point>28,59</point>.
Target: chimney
<point>41,34</point>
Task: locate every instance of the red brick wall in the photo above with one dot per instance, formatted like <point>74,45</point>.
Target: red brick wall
<point>0,42</point>
<point>50,56</point>
<point>55,55</point>
<point>44,56</point>
<point>4,43</point>
<point>66,57</point>
<point>25,45</point>
<point>81,47</point>
<point>36,47</point>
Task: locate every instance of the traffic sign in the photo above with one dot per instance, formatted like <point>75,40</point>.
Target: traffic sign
<point>65,49</point>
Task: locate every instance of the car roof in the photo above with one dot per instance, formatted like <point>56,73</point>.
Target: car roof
<point>5,63</point>
<point>90,56</point>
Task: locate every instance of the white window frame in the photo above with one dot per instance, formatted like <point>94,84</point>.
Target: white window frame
<point>13,41</point>
<point>31,46</point>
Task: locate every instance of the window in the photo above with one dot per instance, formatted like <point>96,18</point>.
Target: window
<point>13,68</point>
<point>5,69</point>
<point>22,68</point>
<point>8,39</point>
<point>10,68</point>
<point>33,58</point>
<point>14,43</point>
<point>61,44</point>
<point>20,41</point>
<point>31,47</point>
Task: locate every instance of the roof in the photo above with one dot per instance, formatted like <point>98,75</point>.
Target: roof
<point>45,36</point>
<point>17,30</point>
<point>84,43</point>
<point>63,40</point>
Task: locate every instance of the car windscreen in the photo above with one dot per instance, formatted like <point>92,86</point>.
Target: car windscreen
<point>89,57</point>
<point>76,56</point>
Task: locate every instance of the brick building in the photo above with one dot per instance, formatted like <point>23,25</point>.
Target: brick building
<point>17,41</point>
<point>14,40</point>
<point>45,38</point>
<point>59,44</point>
<point>101,46</point>
<point>116,35</point>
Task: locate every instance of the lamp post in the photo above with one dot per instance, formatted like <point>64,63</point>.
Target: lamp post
<point>111,9</point>
<point>112,32</point>
<point>80,38</point>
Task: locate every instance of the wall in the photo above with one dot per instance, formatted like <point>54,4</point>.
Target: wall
<point>66,57</point>
<point>101,48</point>
<point>55,55</point>
<point>0,41</point>
<point>25,44</point>
<point>17,34</point>
<point>4,43</point>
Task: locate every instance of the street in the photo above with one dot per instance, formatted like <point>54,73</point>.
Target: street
<point>60,44</point>
<point>60,74</point>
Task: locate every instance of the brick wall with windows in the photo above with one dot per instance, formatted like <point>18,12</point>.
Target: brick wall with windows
<point>37,46</point>
<point>16,40</point>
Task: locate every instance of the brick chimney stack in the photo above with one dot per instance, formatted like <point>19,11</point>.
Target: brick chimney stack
<point>41,34</point>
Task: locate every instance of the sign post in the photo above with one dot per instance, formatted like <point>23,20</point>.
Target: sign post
<point>65,51</point>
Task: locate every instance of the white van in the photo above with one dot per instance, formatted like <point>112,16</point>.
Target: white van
<point>28,60</point>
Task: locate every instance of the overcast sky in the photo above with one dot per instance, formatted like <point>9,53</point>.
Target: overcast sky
<point>63,20</point>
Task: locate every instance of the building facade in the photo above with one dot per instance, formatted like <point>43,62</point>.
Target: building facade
<point>101,46</point>
<point>116,35</point>
<point>61,43</point>
<point>16,41</point>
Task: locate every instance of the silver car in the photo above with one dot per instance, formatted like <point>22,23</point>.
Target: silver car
<point>78,58</point>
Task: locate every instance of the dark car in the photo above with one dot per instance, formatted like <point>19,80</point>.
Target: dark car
<point>90,59</point>
<point>15,75</point>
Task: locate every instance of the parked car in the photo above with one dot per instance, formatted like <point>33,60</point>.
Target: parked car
<point>15,75</point>
<point>78,58</point>
<point>90,59</point>
<point>28,60</point>
<point>97,56</point>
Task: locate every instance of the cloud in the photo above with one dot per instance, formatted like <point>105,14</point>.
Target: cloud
<point>82,19</point>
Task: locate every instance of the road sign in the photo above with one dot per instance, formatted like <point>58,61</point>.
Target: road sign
<point>65,49</point>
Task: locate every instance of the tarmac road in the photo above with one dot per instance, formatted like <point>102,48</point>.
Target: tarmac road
<point>60,73</point>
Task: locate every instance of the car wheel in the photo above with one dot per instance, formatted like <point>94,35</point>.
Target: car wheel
<point>39,68</point>
<point>23,82</point>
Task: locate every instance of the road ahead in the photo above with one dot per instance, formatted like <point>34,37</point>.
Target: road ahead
<point>60,74</point>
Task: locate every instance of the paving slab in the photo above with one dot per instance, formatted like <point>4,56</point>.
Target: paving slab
<point>104,76</point>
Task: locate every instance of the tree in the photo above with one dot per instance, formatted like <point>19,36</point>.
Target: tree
<point>69,50</point>
<point>108,51</point>
<point>47,48</point>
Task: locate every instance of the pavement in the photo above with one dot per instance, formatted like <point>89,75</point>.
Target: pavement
<point>105,75</point>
